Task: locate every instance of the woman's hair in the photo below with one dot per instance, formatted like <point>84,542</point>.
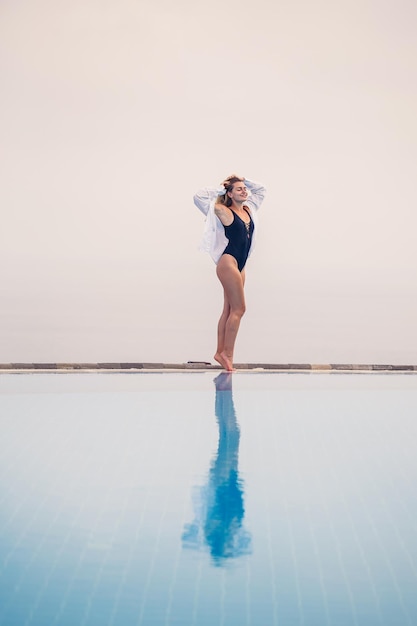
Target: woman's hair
<point>228,185</point>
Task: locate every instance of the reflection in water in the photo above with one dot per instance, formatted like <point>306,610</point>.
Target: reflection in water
<point>219,507</point>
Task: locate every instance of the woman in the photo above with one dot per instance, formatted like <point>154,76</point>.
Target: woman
<point>229,237</point>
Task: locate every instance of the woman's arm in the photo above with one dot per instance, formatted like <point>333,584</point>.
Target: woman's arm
<point>204,197</point>
<point>224,214</point>
<point>257,193</point>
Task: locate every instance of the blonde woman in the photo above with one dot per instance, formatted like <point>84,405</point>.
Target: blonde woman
<point>229,238</point>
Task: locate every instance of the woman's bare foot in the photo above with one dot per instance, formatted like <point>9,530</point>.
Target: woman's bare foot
<point>224,361</point>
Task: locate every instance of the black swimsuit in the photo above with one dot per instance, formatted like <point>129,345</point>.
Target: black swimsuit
<point>239,235</point>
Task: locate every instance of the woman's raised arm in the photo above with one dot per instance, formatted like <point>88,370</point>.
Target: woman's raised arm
<point>257,193</point>
<point>204,197</point>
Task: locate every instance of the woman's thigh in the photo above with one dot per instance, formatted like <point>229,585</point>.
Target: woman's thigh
<point>232,281</point>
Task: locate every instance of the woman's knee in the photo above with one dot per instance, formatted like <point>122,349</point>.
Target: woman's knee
<point>238,310</point>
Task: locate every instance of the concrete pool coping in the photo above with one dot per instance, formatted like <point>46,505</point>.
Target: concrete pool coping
<point>201,366</point>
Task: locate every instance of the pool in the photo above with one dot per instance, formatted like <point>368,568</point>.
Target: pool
<point>199,498</point>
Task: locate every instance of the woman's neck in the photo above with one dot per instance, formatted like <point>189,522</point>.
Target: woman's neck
<point>237,207</point>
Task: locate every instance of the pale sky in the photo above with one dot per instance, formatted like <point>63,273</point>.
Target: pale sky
<point>114,114</point>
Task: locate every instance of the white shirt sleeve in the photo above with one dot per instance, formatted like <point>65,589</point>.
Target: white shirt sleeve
<point>204,197</point>
<point>257,193</point>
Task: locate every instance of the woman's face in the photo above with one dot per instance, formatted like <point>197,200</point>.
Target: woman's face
<point>239,192</point>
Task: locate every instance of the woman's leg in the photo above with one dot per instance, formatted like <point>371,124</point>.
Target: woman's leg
<point>221,329</point>
<point>234,307</point>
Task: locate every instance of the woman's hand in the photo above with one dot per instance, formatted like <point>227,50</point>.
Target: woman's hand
<point>227,180</point>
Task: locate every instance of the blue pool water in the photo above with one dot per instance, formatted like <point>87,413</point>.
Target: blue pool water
<point>252,499</point>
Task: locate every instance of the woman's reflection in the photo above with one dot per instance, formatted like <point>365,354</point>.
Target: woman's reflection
<point>219,507</point>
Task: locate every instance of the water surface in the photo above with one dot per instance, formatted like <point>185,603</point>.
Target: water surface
<point>203,499</point>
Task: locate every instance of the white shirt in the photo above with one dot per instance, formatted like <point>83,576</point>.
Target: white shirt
<point>214,239</point>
